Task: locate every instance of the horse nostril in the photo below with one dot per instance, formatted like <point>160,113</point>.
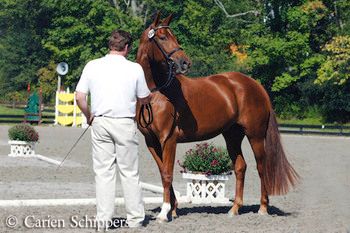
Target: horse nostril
<point>184,64</point>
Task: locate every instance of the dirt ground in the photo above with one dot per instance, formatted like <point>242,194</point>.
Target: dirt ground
<point>320,203</point>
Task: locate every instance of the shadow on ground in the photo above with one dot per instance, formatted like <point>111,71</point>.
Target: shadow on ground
<point>272,210</point>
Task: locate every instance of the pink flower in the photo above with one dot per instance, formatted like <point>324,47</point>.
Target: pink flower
<point>214,163</point>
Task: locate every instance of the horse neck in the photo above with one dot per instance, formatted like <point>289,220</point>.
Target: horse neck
<point>155,73</point>
<point>146,66</point>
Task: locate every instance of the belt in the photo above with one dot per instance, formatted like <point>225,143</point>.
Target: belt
<point>115,117</point>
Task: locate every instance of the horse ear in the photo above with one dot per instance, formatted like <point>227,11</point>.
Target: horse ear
<point>168,20</point>
<point>156,19</point>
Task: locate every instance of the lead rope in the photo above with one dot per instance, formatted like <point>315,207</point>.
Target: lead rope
<point>142,117</point>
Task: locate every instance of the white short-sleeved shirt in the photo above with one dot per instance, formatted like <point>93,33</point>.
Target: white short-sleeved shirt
<point>114,84</point>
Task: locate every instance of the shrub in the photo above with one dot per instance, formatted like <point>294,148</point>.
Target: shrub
<point>23,132</point>
<point>207,159</point>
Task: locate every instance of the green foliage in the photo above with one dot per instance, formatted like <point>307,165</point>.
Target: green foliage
<point>337,65</point>
<point>208,159</point>
<point>286,55</point>
<point>48,81</point>
<point>20,43</point>
<point>10,111</point>
<point>16,96</point>
<point>79,32</point>
<point>333,80</point>
<point>335,101</point>
<point>276,58</point>
<point>23,132</point>
<point>204,37</point>
<point>286,47</point>
<point>286,108</point>
<point>342,16</point>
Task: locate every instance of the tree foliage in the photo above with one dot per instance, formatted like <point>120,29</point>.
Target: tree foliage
<point>21,50</point>
<point>336,68</point>
<point>79,32</point>
<point>299,50</point>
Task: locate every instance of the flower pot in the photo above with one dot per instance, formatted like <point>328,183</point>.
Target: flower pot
<point>22,149</point>
<point>204,189</point>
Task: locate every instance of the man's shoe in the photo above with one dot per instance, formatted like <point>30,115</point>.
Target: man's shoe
<point>135,225</point>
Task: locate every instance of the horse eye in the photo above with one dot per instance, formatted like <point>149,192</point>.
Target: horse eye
<point>162,37</point>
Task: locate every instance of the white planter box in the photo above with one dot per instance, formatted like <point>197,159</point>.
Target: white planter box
<point>22,149</point>
<point>203,189</point>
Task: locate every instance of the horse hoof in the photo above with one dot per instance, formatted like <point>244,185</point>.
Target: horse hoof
<point>231,214</point>
<point>162,220</point>
<point>163,216</point>
<point>262,212</point>
<point>174,215</point>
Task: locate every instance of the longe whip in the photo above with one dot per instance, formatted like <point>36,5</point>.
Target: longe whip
<point>72,147</point>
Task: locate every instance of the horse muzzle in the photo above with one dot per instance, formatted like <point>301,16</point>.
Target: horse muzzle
<point>182,66</point>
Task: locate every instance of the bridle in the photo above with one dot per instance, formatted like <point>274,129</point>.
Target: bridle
<point>167,56</point>
<point>171,76</point>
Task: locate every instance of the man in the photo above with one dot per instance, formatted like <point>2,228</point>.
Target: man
<point>115,84</point>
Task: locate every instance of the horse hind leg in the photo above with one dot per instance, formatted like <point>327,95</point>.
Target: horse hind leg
<point>258,148</point>
<point>233,138</point>
<point>276,173</point>
<point>173,202</point>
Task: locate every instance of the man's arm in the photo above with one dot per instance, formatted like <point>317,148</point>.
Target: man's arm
<point>83,105</point>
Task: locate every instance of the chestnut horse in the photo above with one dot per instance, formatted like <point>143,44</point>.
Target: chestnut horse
<point>192,109</point>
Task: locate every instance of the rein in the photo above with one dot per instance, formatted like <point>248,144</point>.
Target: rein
<point>171,77</point>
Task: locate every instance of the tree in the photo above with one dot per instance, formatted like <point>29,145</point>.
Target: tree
<point>285,55</point>
<point>20,43</point>
<point>337,65</point>
<point>334,80</point>
<point>48,81</point>
<point>206,36</point>
<point>285,45</point>
<point>79,32</point>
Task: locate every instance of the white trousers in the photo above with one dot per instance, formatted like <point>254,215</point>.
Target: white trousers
<point>114,142</point>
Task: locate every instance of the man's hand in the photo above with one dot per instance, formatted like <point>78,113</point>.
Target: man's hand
<point>147,99</point>
<point>83,105</point>
<point>91,119</point>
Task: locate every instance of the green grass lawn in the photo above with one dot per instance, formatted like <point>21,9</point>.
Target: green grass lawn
<point>10,111</point>
<point>48,111</point>
<point>306,121</point>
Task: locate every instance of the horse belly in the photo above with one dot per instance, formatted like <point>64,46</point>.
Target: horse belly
<point>183,138</point>
<point>204,128</point>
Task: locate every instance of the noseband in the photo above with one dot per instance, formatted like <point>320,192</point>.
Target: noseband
<point>171,77</point>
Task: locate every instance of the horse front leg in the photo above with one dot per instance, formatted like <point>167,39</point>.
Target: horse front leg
<point>169,199</point>
<point>156,151</point>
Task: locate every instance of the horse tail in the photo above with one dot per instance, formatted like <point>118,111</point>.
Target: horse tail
<point>278,175</point>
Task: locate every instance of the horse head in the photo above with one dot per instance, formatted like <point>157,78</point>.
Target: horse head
<point>160,46</point>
